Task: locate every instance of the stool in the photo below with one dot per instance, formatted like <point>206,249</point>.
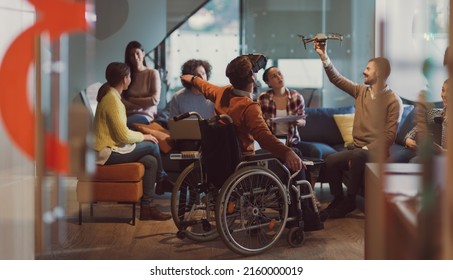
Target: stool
<point>112,183</point>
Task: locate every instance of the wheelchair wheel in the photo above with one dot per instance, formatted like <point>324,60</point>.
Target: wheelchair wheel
<point>296,236</point>
<point>192,208</point>
<point>251,210</point>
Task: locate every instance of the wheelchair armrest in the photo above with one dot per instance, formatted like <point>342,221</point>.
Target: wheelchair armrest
<point>261,156</point>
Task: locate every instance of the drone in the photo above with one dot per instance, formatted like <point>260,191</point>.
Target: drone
<point>321,37</point>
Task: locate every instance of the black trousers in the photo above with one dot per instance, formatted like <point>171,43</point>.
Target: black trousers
<point>351,160</point>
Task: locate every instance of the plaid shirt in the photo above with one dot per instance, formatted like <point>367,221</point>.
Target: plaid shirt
<point>295,106</point>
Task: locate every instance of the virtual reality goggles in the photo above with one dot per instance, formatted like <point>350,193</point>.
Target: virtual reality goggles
<point>258,61</point>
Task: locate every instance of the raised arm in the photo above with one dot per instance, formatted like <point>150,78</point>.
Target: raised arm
<point>332,73</point>
<point>206,88</point>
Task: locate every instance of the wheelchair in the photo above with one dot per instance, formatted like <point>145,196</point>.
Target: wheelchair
<point>239,199</point>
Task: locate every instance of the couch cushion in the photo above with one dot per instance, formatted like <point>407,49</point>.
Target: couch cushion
<point>406,124</point>
<point>321,126</point>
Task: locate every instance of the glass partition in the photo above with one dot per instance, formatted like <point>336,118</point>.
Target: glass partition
<point>273,28</point>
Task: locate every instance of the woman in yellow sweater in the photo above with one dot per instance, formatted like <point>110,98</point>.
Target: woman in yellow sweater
<point>116,143</point>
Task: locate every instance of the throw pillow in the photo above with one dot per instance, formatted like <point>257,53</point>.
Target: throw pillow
<point>156,130</point>
<point>345,123</point>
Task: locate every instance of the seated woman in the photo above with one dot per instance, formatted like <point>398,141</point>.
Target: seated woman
<point>280,101</point>
<point>116,143</point>
<point>143,95</point>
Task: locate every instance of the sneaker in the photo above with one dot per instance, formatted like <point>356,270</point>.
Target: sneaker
<point>346,207</point>
<point>325,213</point>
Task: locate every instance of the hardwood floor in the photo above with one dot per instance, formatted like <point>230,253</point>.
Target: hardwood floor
<point>108,236</point>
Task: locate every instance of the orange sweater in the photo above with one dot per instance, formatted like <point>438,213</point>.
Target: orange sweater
<point>247,118</point>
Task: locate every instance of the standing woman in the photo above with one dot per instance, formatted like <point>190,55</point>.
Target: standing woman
<point>116,143</point>
<point>143,95</point>
<point>279,101</point>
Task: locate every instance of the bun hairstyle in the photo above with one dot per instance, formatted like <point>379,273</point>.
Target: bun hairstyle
<point>240,70</point>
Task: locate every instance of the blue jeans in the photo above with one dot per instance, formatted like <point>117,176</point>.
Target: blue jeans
<point>148,154</point>
<point>136,118</point>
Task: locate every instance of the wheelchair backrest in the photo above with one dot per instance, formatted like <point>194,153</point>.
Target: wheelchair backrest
<point>220,149</point>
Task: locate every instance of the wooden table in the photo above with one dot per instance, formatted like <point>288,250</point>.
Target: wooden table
<point>393,213</point>
<point>390,210</point>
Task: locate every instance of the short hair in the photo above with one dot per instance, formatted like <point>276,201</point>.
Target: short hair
<point>115,73</point>
<point>383,66</point>
<point>189,67</point>
<point>239,71</point>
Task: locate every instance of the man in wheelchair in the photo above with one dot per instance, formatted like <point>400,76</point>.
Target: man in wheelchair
<point>236,101</point>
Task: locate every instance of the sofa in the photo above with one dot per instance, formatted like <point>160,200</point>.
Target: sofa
<point>329,129</point>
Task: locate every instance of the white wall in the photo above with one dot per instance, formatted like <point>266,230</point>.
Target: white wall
<point>16,171</point>
<point>141,20</point>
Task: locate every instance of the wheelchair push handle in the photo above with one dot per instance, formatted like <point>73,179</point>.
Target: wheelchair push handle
<point>187,115</point>
<point>223,117</point>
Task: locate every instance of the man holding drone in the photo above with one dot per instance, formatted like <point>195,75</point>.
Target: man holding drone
<point>377,114</point>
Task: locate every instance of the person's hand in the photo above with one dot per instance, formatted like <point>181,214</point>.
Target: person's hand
<point>320,48</point>
<point>301,122</point>
<point>150,138</point>
<point>293,161</point>
<point>187,78</point>
<point>411,143</point>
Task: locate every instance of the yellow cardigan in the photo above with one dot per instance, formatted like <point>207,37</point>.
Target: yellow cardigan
<point>110,129</point>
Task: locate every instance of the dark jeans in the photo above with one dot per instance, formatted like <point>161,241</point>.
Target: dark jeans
<point>144,153</point>
<point>338,163</point>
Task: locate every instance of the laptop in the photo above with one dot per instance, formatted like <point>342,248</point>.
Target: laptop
<point>186,129</point>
